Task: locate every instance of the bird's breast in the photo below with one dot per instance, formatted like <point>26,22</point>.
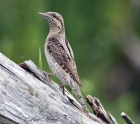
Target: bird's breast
<point>57,70</point>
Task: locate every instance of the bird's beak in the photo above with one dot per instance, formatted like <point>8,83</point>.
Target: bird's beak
<point>43,14</point>
<point>47,16</point>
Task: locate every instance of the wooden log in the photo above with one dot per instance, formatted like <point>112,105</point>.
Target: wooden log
<point>28,96</point>
<point>24,98</point>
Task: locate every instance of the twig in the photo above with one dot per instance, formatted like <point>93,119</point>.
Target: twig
<point>98,109</point>
<point>112,119</point>
<point>126,118</point>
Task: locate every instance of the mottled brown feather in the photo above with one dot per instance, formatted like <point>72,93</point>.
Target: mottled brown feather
<point>64,60</point>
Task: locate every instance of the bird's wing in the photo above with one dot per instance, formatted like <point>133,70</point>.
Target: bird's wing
<point>63,58</point>
<point>69,48</point>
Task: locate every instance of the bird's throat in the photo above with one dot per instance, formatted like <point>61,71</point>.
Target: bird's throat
<point>55,32</point>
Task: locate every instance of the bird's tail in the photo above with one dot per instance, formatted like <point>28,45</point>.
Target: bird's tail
<point>77,92</point>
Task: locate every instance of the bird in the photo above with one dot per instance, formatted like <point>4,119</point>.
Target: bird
<point>60,56</point>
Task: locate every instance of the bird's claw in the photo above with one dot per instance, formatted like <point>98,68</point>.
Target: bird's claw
<point>48,75</point>
<point>62,87</point>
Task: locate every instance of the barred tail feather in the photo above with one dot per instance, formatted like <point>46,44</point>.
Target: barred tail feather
<point>75,88</point>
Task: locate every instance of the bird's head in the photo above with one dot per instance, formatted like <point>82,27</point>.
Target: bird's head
<point>55,21</point>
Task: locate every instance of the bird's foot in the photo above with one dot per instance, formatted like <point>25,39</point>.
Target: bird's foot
<point>62,87</point>
<point>48,75</point>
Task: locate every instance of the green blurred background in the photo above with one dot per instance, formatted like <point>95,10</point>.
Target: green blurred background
<point>104,35</point>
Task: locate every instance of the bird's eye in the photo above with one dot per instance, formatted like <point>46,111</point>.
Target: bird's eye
<point>54,16</point>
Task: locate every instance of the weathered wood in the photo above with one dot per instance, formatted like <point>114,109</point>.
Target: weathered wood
<point>126,118</point>
<point>112,119</point>
<point>28,96</point>
<point>44,77</point>
<point>26,99</point>
<point>98,109</point>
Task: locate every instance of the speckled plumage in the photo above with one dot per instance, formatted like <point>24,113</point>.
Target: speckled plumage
<point>59,55</point>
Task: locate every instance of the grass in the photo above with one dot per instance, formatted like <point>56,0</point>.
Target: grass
<point>81,121</point>
<point>40,59</point>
